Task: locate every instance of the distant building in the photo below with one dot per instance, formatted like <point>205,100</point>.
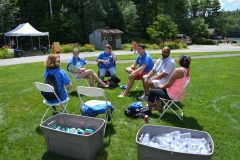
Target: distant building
<point>100,37</point>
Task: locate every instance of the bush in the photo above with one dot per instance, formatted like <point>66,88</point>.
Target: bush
<point>174,45</point>
<point>87,48</point>
<point>204,41</point>
<point>84,48</point>
<point>148,46</point>
<point>4,53</point>
<point>155,46</point>
<point>66,48</point>
<point>127,46</point>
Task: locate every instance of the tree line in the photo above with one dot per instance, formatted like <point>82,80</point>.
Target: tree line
<point>72,21</point>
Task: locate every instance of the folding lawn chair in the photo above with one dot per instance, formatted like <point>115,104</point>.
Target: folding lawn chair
<point>107,72</point>
<point>80,81</point>
<point>48,88</point>
<point>136,87</point>
<point>95,92</point>
<point>169,102</point>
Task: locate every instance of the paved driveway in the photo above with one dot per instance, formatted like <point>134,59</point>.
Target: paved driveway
<point>66,57</point>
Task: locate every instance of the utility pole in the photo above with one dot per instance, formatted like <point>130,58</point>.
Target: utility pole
<point>50,4</point>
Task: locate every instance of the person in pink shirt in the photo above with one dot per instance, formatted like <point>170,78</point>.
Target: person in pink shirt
<point>174,85</point>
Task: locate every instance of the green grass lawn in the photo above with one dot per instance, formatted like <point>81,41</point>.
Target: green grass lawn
<point>211,104</point>
<point>173,55</point>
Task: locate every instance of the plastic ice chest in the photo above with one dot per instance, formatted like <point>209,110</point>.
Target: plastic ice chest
<point>77,146</point>
<point>152,153</point>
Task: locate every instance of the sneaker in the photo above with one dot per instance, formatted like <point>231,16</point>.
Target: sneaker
<point>143,97</point>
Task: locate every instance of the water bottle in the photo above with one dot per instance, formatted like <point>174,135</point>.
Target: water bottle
<point>68,130</point>
<point>59,128</point>
<point>146,138</point>
<point>73,130</point>
<point>63,129</point>
<point>185,135</point>
<point>169,138</point>
<point>203,151</point>
<point>175,134</point>
<point>80,131</point>
<point>88,130</point>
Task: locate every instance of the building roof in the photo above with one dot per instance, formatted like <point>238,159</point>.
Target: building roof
<point>212,31</point>
<point>110,31</point>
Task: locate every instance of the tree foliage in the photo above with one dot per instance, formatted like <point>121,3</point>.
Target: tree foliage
<point>131,19</point>
<point>162,28</point>
<point>74,20</point>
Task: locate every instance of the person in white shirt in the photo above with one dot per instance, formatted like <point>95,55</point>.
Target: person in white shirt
<point>160,73</point>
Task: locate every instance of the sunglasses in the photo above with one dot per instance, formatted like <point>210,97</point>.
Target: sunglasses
<point>164,52</point>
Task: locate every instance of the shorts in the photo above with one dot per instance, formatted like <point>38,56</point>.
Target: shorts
<point>156,82</point>
<point>140,75</point>
<point>75,75</point>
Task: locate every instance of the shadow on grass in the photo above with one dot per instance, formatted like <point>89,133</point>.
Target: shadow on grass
<point>187,122</point>
<point>179,104</point>
<point>39,130</point>
<point>73,93</point>
<point>135,94</point>
<point>52,156</point>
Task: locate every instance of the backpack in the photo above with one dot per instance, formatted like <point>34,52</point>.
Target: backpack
<point>137,112</point>
<point>112,82</point>
<point>51,80</point>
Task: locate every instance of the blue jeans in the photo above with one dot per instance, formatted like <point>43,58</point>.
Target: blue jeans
<point>102,72</point>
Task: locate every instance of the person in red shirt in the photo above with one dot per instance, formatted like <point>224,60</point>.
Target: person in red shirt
<point>134,47</point>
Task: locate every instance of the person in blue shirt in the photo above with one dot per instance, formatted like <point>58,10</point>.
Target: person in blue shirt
<point>106,62</point>
<point>77,66</point>
<point>145,63</point>
<point>52,65</point>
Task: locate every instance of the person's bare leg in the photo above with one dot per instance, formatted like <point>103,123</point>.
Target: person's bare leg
<point>158,106</point>
<point>129,86</point>
<point>145,87</point>
<point>91,80</point>
<point>150,105</point>
<point>129,70</point>
<point>90,72</point>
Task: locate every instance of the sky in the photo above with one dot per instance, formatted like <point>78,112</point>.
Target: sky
<point>229,5</point>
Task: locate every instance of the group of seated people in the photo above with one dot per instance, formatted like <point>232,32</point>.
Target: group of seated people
<point>164,79</point>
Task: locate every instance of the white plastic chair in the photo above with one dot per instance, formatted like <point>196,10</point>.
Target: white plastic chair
<point>48,88</point>
<point>80,81</point>
<point>94,92</point>
<point>169,102</point>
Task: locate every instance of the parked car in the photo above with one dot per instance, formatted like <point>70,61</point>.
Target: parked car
<point>181,38</point>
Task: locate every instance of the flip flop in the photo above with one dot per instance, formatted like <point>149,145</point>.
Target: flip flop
<point>121,96</point>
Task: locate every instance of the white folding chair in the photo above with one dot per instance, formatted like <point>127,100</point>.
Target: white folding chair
<point>48,88</point>
<point>136,87</point>
<point>94,92</point>
<point>80,81</point>
<point>169,102</point>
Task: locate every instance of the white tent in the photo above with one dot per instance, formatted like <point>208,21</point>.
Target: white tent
<point>26,29</point>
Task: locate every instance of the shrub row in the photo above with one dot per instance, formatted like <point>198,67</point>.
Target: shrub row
<point>203,41</point>
<point>172,45</point>
<point>84,48</point>
<point>4,53</point>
